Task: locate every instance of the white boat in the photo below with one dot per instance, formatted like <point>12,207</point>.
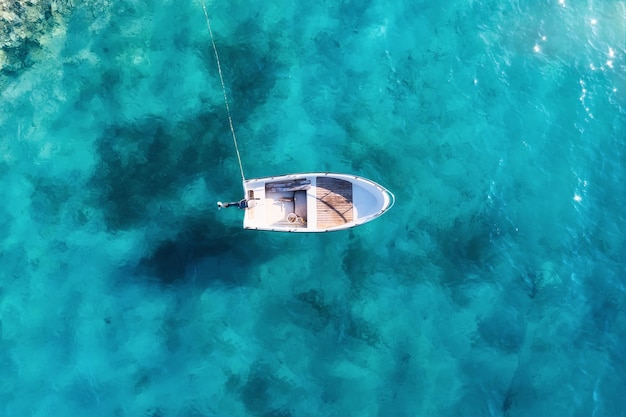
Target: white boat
<point>311,202</point>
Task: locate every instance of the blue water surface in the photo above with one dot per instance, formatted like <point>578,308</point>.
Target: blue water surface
<point>495,286</point>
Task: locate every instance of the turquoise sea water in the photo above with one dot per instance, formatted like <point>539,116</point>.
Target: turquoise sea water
<point>494,287</point>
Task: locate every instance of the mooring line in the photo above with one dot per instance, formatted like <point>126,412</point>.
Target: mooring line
<point>219,70</point>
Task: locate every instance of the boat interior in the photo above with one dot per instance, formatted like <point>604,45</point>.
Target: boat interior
<point>286,202</point>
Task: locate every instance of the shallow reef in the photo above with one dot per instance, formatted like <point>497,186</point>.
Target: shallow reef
<point>22,26</point>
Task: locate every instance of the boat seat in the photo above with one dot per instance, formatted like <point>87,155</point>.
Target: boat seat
<point>300,203</point>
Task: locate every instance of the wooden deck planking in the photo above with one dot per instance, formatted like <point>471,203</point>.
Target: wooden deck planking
<point>334,202</point>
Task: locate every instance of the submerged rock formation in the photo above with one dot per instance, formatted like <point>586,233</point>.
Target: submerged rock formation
<point>22,24</point>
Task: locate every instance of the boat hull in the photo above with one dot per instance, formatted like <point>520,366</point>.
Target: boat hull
<point>313,202</point>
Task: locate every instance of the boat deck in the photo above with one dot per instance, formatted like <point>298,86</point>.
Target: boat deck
<point>334,202</point>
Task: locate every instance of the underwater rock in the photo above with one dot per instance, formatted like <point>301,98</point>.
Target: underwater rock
<point>537,280</point>
<point>22,25</point>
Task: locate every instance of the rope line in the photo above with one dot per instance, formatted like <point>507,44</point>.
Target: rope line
<point>219,70</point>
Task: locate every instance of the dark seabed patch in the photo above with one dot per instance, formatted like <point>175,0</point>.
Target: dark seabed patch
<point>202,253</point>
<point>142,163</point>
<point>249,70</point>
